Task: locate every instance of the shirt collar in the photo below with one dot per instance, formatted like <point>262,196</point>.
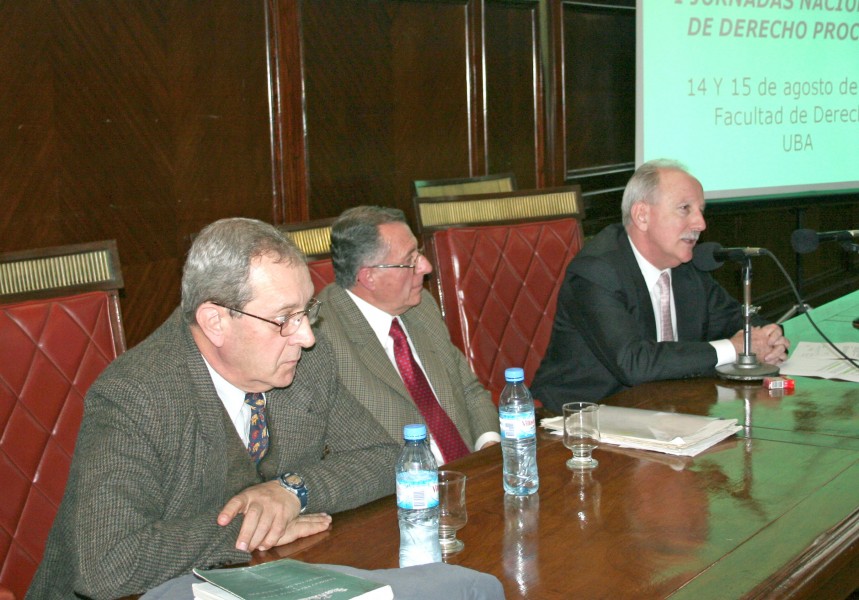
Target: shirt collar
<point>379,320</point>
<point>648,271</point>
<point>232,397</point>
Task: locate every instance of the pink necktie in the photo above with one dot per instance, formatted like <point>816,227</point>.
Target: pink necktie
<point>443,430</point>
<point>258,434</point>
<point>664,284</point>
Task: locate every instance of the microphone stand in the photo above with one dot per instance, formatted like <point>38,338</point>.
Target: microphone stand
<point>747,367</point>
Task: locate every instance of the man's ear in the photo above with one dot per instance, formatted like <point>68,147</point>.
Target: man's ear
<point>212,321</point>
<point>640,215</point>
<point>366,278</point>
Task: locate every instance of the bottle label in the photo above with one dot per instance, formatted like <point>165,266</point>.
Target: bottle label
<point>417,490</point>
<point>517,426</point>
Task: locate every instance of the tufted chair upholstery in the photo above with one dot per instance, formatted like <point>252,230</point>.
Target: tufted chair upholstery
<point>498,282</point>
<point>434,188</point>
<point>314,239</point>
<point>51,349</point>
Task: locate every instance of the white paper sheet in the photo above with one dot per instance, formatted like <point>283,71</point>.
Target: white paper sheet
<point>672,433</point>
<point>811,359</point>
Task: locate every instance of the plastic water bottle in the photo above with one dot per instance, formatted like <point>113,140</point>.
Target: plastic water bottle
<point>518,435</point>
<point>417,499</point>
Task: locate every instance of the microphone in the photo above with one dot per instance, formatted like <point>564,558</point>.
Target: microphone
<point>709,256</point>
<point>807,240</point>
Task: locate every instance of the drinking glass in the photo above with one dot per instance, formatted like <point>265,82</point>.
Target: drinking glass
<point>581,433</point>
<point>452,512</point>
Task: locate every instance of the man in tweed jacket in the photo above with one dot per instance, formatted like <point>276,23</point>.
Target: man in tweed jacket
<point>365,236</point>
<point>161,479</point>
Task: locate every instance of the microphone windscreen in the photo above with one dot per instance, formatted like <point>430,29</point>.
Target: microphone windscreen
<point>702,256</point>
<point>804,241</point>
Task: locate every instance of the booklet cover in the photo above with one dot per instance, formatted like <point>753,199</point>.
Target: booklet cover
<point>286,579</point>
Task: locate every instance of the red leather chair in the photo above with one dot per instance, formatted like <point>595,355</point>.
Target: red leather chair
<point>314,239</point>
<point>499,262</point>
<point>60,326</point>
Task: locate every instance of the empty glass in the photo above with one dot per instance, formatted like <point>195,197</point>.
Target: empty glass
<point>581,433</point>
<point>452,512</point>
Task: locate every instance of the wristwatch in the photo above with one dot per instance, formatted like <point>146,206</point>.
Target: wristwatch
<point>295,484</point>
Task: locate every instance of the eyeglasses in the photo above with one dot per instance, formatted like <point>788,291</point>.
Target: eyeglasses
<point>420,254</point>
<point>291,322</point>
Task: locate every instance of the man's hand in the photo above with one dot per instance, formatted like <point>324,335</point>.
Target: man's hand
<point>271,517</point>
<point>768,344</point>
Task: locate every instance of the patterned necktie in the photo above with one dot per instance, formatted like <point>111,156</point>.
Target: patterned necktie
<point>664,284</point>
<point>443,430</point>
<point>258,433</point>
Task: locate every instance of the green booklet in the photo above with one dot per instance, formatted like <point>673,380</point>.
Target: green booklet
<point>286,579</point>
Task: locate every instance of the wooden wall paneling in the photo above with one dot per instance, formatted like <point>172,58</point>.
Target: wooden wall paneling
<point>820,276</point>
<point>552,56</point>
<point>387,99</point>
<point>112,116</point>
<point>599,85</point>
<point>829,268</point>
<point>139,121</point>
<point>27,133</point>
<point>515,113</point>
<point>286,111</point>
<point>474,33</point>
<point>599,116</point>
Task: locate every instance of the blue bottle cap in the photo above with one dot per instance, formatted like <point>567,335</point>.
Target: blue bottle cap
<point>415,432</point>
<point>514,374</point>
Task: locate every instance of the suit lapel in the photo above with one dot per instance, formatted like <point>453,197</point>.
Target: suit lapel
<point>427,350</point>
<point>638,288</point>
<point>219,437</point>
<point>688,304</point>
<point>361,335</point>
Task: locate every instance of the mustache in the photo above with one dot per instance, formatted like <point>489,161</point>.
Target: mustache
<point>692,236</point>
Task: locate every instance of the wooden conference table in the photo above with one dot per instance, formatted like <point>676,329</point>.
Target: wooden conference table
<point>772,512</point>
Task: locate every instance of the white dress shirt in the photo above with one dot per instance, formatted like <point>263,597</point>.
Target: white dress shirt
<point>233,400</point>
<point>725,352</point>
<point>380,323</point>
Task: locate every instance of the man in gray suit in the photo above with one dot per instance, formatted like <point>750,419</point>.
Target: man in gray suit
<point>379,274</point>
<point>173,469</point>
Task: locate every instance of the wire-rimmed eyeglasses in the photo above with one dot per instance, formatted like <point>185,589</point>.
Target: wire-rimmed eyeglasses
<point>290,323</point>
<point>418,255</point>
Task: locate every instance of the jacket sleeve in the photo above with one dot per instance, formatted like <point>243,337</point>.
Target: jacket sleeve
<point>345,456</point>
<point>611,323</point>
<point>130,517</point>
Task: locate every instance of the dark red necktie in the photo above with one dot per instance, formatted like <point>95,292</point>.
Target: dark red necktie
<point>443,430</point>
<point>258,433</point>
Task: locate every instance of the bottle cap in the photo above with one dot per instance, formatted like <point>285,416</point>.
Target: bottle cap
<point>514,374</point>
<point>415,432</point>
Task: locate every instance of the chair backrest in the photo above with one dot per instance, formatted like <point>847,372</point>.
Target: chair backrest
<point>499,262</point>
<point>314,239</point>
<point>60,326</point>
<point>486,184</point>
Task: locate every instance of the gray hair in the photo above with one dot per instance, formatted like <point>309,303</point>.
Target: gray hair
<point>644,185</point>
<point>355,240</point>
<point>219,262</point>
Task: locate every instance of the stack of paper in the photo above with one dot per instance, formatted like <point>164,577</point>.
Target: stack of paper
<point>672,433</point>
<point>820,360</point>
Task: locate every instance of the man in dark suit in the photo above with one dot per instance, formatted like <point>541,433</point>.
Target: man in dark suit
<point>617,326</point>
<point>379,280</point>
<point>226,431</point>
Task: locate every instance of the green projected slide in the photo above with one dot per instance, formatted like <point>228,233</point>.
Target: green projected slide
<point>756,97</point>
